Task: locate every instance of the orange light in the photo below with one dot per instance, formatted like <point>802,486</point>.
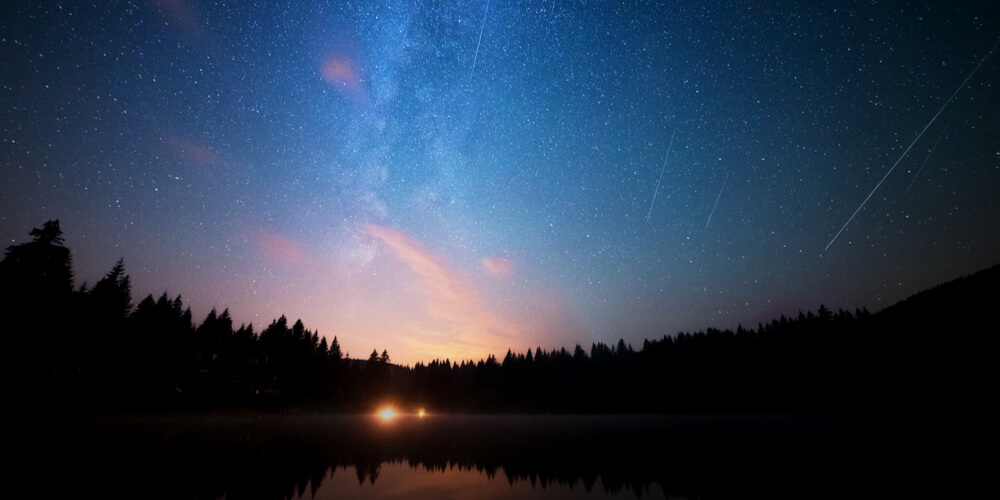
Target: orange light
<point>421,413</point>
<point>388,414</point>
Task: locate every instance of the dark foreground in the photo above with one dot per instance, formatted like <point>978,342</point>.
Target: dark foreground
<point>282,456</point>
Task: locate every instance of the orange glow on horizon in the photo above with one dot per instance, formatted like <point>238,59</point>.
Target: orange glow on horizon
<point>388,413</point>
<point>461,325</point>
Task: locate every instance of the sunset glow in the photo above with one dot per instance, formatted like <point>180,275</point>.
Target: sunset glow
<point>717,248</point>
<point>453,180</point>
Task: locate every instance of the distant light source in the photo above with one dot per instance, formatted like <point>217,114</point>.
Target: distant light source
<point>388,414</point>
<point>421,413</point>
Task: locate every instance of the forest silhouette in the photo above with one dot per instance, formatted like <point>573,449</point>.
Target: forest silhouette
<point>88,349</point>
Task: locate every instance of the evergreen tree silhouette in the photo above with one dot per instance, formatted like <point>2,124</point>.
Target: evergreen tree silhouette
<point>36,290</point>
<point>335,353</point>
<point>113,293</point>
<point>107,352</point>
<point>40,270</point>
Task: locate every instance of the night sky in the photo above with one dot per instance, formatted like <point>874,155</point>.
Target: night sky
<point>456,178</point>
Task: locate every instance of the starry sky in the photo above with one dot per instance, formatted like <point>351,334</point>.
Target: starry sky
<point>449,179</point>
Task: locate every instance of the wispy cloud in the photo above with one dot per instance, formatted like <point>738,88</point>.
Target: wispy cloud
<point>194,151</point>
<point>466,328</point>
<point>340,71</point>
<point>497,266</point>
<point>280,248</point>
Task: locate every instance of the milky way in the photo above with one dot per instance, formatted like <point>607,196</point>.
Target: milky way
<point>451,179</point>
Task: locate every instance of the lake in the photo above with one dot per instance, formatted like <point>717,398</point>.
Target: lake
<point>477,456</point>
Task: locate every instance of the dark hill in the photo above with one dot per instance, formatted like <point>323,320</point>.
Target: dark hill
<point>939,346</point>
<point>966,300</point>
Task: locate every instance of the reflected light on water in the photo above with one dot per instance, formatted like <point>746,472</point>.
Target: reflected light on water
<point>396,480</point>
<point>389,413</point>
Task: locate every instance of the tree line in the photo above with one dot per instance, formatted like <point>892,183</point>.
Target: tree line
<point>90,348</point>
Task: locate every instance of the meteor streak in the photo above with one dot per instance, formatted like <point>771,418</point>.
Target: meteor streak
<point>717,198</point>
<point>929,153</point>
<point>664,168</point>
<point>946,103</point>
<point>481,28</point>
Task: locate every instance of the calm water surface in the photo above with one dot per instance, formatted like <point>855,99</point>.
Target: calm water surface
<point>322,456</point>
<point>404,480</point>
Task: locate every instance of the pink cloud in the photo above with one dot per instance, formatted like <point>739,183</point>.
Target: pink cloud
<point>442,283</point>
<point>497,266</point>
<point>193,151</point>
<point>340,71</point>
<point>280,248</point>
<point>343,74</point>
<point>468,329</point>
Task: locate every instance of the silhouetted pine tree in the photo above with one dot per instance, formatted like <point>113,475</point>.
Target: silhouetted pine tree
<point>40,270</point>
<point>36,286</point>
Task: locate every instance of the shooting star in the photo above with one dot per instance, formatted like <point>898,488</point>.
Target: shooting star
<point>929,153</point>
<point>481,28</point>
<point>663,169</point>
<point>717,198</point>
<point>936,115</point>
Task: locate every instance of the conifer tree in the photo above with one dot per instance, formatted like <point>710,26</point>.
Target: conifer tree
<point>335,353</point>
<point>113,293</point>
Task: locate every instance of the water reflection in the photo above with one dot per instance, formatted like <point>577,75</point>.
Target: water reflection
<point>391,480</point>
<point>315,456</point>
